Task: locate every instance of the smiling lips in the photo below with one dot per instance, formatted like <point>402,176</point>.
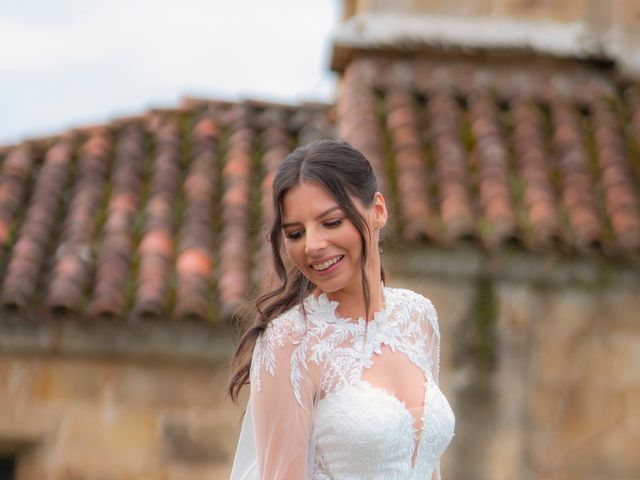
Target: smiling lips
<point>319,267</point>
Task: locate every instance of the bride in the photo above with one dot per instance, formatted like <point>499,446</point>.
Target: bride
<point>343,369</point>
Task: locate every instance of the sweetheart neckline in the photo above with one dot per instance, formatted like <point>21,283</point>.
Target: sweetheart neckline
<point>417,442</point>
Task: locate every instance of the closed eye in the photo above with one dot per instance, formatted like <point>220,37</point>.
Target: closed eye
<point>293,235</point>
<point>333,223</point>
<point>296,234</point>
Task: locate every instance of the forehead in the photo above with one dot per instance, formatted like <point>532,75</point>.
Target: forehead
<point>306,199</point>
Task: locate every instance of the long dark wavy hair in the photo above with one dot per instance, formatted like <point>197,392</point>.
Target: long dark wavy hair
<point>345,174</point>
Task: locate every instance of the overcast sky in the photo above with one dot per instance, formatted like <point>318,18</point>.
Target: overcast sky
<point>67,63</point>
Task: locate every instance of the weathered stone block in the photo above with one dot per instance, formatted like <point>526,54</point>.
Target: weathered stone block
<point>169,385</point>
<point>628,14</point>
<point>464,7</point>
<point>71,381</point>
<point>23,379</point>
<point>546,10</point>
<point>103,439</point>
<point>194,442</point>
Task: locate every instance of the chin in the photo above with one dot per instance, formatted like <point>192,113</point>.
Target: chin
<point>328,288</point>
<point>331,286</point>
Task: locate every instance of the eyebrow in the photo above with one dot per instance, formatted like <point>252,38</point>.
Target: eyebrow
<point>326,212</point>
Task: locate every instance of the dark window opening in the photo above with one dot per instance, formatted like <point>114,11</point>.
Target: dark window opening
<point>7,467</point>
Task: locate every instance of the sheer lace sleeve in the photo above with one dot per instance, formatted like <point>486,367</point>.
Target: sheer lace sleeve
<point>432,341</point>
<point>283,392</point>
<point>321,405</point>
<point>432,346</point>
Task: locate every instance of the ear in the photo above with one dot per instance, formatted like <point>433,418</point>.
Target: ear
<point>379,211</point>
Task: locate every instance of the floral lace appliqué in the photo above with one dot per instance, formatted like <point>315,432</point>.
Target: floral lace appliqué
<point>351,417</point>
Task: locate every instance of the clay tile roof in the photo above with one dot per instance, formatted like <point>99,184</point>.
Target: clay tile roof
<point>161,216</point>
<point>547,158</point>
<point>156,216</point>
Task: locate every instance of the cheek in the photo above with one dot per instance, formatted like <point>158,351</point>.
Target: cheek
<point>352,239</point>
<point>292,250</point>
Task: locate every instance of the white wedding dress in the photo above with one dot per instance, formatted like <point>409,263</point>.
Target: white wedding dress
<point>340,399</point>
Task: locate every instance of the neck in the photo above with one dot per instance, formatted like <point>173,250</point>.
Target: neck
<point>351,300</point>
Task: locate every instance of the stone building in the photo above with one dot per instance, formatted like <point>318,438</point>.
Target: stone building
<point>511,163</point>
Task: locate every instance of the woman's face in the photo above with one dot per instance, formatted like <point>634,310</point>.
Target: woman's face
<point>323,243</point>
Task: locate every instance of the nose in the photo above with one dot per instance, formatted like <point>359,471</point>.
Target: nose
<point>315,243</point>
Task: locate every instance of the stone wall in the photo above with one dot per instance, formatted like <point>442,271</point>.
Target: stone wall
<point>540,360</point>
<point>546,10</point>
<point>77,418</point>
<point>609,29</point>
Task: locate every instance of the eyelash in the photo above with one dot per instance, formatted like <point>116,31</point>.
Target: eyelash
<point>333,223</point>
<point>298,234</point>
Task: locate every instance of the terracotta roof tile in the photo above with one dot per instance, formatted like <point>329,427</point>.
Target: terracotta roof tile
<point>115,253</point>
<point>412,183</point>
<point>542,156</point>
<point>235,211</point>
<point>155,250</point>
<point>619,194</point>
<point>358,120</point>
<point>162,215</point>
<point>277,144</point>
<point>538,203</point>
<point>29,255</point>
<point>15,174</point>
<point>492,177</point>
<point>154,216</point>
<point>70,275</point>
<point>576,183</point>
<point>444,126</point>
<point>195,262</point>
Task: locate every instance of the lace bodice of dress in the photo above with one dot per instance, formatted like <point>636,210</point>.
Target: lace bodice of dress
<point>358,430</point>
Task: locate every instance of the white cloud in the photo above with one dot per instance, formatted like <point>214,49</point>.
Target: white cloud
<point>89,62</point>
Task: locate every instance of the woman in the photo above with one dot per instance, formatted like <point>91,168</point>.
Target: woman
<point>343,370</point>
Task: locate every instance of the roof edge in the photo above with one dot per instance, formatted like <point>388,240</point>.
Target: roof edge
<point>402,31</point>
<point>186,103</point>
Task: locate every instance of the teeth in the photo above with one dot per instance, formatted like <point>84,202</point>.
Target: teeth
<point>327,264</point>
